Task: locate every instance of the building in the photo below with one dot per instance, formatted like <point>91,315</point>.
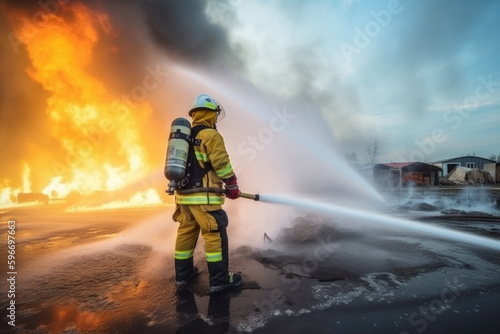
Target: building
<point>494,169</point>
<point>468,161</point>
<point>32,197</point>
<point>405,173</point>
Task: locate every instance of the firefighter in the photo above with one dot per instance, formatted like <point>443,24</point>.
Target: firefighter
<point>199,201</point>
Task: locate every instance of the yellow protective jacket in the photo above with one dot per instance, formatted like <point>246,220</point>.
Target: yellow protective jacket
<point>211,150</point>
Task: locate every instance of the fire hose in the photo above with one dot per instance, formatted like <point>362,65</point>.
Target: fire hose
<point>255,197</point>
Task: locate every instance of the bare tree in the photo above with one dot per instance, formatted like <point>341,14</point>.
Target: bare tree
<point>373,149</point>
<point>494,157</point>
<point>352,158</point>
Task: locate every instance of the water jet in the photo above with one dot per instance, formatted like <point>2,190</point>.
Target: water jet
<point>383,220</point>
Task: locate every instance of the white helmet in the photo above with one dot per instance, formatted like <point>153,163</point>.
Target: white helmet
<point>204,101</point>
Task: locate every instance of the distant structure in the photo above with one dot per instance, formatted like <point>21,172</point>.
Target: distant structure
<point>467,176</point>
<point>494,170</point>
<point>468,161</point>
<point>32,197</point>
<point>396,174</point>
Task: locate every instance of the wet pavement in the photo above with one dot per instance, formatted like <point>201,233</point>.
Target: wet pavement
<point>112,272</point>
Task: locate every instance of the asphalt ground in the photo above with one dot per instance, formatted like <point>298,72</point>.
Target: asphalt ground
<point>112,272</point>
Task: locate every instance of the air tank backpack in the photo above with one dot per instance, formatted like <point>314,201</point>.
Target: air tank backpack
<point>182,168</point>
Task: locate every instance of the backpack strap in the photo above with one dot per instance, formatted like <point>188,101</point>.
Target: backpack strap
<point>194,171</point>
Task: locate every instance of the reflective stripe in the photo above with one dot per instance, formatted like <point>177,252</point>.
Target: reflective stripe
<point>210,105</point>
<point>184,255</point>
<point>214,257</point>
<point>225,172</point>
<point>199,198</point>
<point>201,156</point>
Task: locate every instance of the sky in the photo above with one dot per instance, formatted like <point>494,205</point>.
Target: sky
<point>422,77</point>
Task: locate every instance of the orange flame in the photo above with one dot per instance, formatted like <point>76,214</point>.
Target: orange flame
<point>26,188</point>
<point>99,133</point>
<point>8,194</point>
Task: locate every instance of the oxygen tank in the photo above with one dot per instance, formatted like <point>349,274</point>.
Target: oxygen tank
<point>177,152</point>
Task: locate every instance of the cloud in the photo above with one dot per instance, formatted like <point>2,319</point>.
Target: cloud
<point>429,54</point>
<point>183,28</point>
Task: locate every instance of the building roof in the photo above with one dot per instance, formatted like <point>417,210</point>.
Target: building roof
<point>405,164</point>
<point>462,157</point>
<point>399,164</point>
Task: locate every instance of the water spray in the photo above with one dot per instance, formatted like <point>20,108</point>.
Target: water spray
<point>378,218</point>
<point>384,220</point>
<point>367,216</point>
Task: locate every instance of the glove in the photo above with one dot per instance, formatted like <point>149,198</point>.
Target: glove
<point>232,189</point>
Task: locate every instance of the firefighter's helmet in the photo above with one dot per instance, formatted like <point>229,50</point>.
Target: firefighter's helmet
<point>204,101</point>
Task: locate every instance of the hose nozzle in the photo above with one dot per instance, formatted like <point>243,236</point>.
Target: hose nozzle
<point>255,197</point>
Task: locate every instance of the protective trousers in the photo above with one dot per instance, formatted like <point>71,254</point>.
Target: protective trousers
<point>212,221</point>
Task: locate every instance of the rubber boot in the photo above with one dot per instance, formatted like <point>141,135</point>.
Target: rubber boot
<point>185,271</point>
<point>220,278</point>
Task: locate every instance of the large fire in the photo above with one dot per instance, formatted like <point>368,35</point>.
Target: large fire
<point>100,133</point>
